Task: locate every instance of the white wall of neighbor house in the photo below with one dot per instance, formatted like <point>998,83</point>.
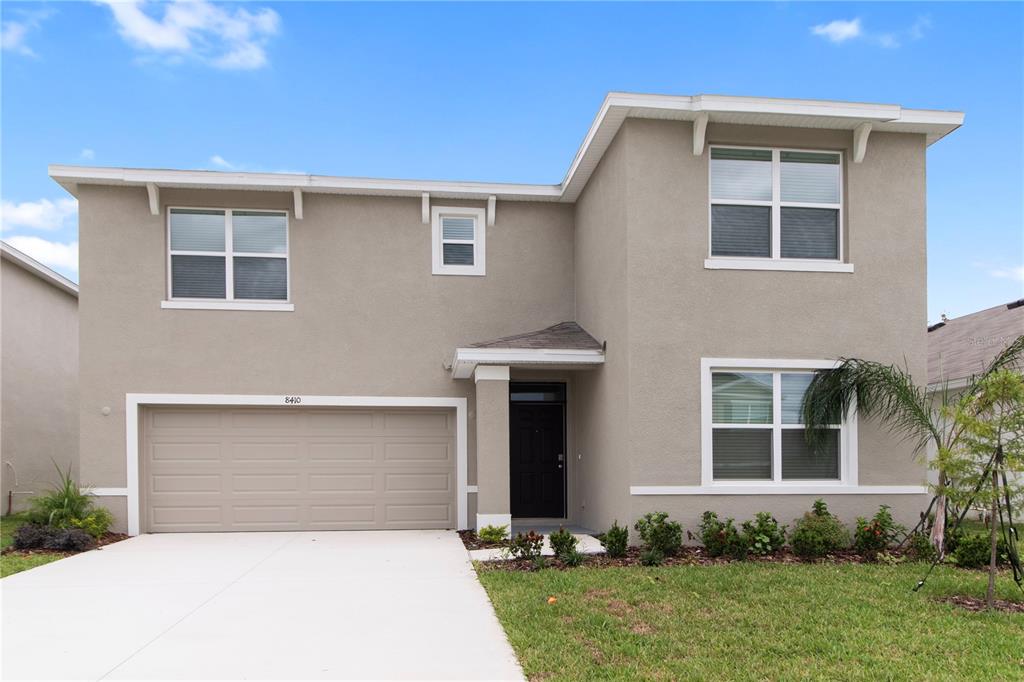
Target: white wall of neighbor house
<point>38,383</point>
<point>369,319</point>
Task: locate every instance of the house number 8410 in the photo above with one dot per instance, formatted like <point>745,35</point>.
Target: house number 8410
<point>292,400</point>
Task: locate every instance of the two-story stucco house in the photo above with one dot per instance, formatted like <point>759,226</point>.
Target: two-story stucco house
<point>271,351</point>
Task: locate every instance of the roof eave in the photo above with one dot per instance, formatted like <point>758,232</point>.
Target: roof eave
<point>34,267</point>
<point>466,360</point>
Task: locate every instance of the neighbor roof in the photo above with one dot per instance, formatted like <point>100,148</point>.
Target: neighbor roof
<point>11,255</point>
<point>964,346</point>
<point>615,109</point>
<point>564,335</point>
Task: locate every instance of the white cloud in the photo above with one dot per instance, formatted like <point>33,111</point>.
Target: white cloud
<point>1013,272</point>
<point>842,30</point>
<point>221,162</point>
<point>56,255</point>
<point>13,32</point>
<point>87,154</point>
<point>839,30</point>
<point>37,215</point>
<point>226,39</point>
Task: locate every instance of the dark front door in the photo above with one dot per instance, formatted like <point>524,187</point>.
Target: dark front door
<point>537,452</point>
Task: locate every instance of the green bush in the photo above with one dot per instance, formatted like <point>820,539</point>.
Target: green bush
<point>493,535</point>
<point>526,546</point>
<point>763,535</point>
<point>973,550</point>
<point>96,524</point>
<point>563,543</point>
<point>615,541</point>
<point>60,505</point>
<point>658,533</point>
<point>719,537</point>
<point>876,535</point>
<point>920,547</point>
<point>652,557</point>
<point>817,533</point>
<point>572,559</point>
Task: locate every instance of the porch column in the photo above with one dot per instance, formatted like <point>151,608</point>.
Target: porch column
<point>492,468</point>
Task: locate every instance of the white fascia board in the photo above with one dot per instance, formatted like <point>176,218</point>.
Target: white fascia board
<point>616,107</point>
<point>26,262</point>
<point>776,489</point>
<point>70,176</point>
<point>467,359</point>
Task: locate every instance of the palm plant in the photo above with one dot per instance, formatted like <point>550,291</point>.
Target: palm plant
<point>889,394</point>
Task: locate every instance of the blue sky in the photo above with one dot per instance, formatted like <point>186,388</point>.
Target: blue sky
<point>494,92</point>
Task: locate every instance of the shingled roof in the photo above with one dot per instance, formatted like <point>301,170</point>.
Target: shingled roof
<point>562,336</point>
<point>964,346</point>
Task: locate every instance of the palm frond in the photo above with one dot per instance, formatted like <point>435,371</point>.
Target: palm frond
<point>1011,357</point>
<point>884,392</point>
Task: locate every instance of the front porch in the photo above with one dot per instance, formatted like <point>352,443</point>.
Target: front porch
<point>522,423</point>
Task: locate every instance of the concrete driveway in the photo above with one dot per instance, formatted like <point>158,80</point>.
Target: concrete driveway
<point>368,604</point>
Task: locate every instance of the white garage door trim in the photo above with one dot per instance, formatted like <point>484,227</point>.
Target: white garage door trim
<point>134,401</point>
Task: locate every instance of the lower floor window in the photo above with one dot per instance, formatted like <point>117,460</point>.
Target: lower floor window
<point>757,431</point>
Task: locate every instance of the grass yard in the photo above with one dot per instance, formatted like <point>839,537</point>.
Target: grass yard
<point>14,563</point>
<point>755,621</point>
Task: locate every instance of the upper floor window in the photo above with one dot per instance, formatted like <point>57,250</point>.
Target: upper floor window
<point>755,430</point>
<point>776,204</point>
<point>458,241</point>
<point>227,255</point>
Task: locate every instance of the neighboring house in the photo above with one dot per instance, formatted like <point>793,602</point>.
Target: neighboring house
<point>38,376</point>
<point>267,351</point>
<point>965,346</point>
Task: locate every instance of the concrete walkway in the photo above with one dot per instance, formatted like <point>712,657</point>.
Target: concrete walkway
<point>323,605</point>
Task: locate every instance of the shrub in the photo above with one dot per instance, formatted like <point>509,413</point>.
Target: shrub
<point>658,533</point>
<point>563,543</point>
<point>615,541</point>
<point>974,550</point>
<point>96,524</point>
<point>538,563</point>
<point>720,537</point>
<point>817,533</point>
<point>573,558</point>
<point>31,536</point>
<point>876,535</point>
<point>62,504</point>
<point>526,546</point>
<point>38,536</point>
<point>920,547</point>
<point>69,540</point>
<point>651,557</point>
<point>763,535</point>
<point>493,535</point>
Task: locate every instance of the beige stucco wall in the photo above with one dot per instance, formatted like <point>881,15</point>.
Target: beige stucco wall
<point>492,447</point>
<point>369,317</point>
<point>680,312</point>
<point>38,383</point>
<point>601,396</point>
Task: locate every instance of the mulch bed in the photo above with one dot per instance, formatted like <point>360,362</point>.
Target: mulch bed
<point>106,539</point>
<point>687,556</point>
<point>471,541</point>
<point>977,605</point>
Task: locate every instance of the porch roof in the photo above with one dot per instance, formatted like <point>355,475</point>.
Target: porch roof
<point>565,345</point>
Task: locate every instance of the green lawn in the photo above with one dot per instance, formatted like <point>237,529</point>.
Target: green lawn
<point>12,563</point>
<point>751,621</point>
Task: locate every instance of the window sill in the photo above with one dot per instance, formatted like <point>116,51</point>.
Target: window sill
<point>781,265</point>
<point>462,273</point>
<point>822,488</point>
<point>227,305</point>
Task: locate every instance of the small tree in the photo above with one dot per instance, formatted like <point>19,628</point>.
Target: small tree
<point>986,468</point>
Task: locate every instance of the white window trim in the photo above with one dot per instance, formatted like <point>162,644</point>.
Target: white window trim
<point>479,266</point>
<point>847,431</point>
<point>775,261</point>
<point>229,302</point>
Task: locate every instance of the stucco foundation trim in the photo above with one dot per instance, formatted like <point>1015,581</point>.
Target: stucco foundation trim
<point>135,401</point>
<point>778,490</point>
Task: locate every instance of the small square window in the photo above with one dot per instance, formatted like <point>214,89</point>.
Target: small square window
<point>458,236</point>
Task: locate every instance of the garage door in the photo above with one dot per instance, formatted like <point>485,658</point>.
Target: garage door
<point>231,469</point>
